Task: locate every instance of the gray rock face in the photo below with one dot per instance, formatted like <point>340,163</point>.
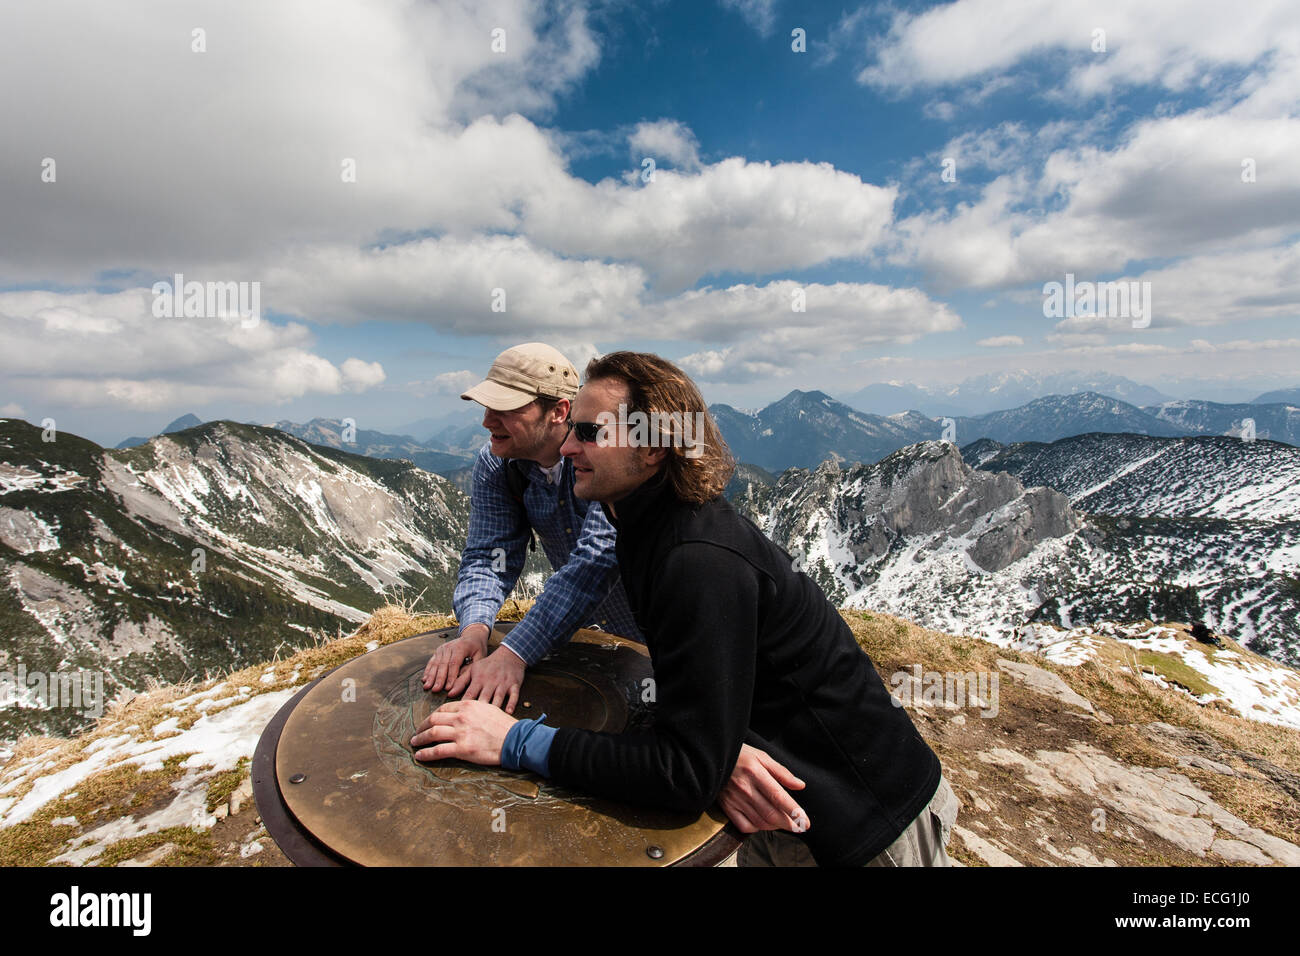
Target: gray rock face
<point>923,491</point>
<point>1043,681</point>
<point>1039,514</point>
<point>1135,799</point>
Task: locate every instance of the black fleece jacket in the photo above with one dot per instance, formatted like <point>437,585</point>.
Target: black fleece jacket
<point>747,650</point>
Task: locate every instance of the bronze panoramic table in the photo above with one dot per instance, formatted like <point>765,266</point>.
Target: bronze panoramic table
<point>336,782</point>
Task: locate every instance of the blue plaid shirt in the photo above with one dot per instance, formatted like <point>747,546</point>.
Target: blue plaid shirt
<point>578,540</point>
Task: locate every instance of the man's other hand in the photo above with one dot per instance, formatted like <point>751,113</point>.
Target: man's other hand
<point>755,797</point>
<point>468,729</point>
<point>444,666</point>
<point>495,679</point>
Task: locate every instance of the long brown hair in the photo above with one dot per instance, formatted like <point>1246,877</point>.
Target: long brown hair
<point>656,385</point>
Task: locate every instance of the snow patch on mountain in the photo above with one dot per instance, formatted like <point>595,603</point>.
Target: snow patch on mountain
<point>26,532</point>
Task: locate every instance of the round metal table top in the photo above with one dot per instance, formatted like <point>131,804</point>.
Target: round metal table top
<point>341,784</point>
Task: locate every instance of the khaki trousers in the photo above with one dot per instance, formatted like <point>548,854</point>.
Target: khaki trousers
<point>921,844</point>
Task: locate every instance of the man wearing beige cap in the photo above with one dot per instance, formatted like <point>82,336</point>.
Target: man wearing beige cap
<point>522,489</point>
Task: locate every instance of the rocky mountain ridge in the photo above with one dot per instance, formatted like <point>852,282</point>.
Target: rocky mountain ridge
<point>923,535</point>
<point>200,550</point>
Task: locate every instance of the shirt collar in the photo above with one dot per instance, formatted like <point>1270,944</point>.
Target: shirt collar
<point>553,473</point>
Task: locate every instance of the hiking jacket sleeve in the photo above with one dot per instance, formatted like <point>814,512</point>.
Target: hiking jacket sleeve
<point>702,618</point>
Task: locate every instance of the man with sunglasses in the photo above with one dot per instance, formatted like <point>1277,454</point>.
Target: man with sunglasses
<point>748,654</point>
<point>522,490</point>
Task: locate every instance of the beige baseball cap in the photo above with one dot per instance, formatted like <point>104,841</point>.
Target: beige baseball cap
<point>521,374</point>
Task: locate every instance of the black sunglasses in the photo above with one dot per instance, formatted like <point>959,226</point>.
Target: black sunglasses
<point>586,432</point>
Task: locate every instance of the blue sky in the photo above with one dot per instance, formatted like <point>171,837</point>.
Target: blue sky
<point>1100,139</point>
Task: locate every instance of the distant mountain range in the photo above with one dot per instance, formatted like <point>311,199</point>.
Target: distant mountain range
<point>209,546</point>
<point>1290,396</point>
<point>982,394</point>
<point>804,429</point>
<point>989,393</point>
<point>179,425</point>
<point>1279,421</point>
<point>432,455</point>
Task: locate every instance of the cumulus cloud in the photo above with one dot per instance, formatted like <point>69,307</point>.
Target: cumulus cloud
<point>1001,342</point>
<point>357,376</point>
<point>1204,291</point>
<point>1176,183</point>
<point>486,285</point>
<point>1176,186</point>
<point>665,140</point>
<point>1169,43</point>
<point>763,336</point>
<point>299,134</point>
<point>301,121</point>
<point>448,383</point>
<point>734,215</point>
<point>85,348</point>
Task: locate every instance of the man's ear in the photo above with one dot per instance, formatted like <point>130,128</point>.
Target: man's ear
<point>560,411</point>
<point>655,456</point>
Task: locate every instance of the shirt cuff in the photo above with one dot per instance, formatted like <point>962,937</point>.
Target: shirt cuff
<point>528,746</point>
<point>481,614</point>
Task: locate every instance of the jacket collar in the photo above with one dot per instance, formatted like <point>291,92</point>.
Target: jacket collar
<point>647,500</point>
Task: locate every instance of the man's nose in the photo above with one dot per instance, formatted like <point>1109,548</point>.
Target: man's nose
<point>571,445</point>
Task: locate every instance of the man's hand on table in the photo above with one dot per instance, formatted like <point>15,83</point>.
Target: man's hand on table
<point>755,797</point>
<point>445,664</point>
<point>495,679</point>
<point>467,729</point>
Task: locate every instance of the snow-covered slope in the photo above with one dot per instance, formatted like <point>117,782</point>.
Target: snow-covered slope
<point>1137,475</point>
<point>924,536</point>
<point>198,551</point>
<point>1279,421</point>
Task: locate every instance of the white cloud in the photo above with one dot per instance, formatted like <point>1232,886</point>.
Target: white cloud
<point>1257,364</point>
<point>358,376</point>
<point>665,139</point>
<point>754,218</point>
<point>1207,290</point>
<point>1001,148</point>
<point>1244,345</point>
<point>940,110</point>
<point>1001,342</point>
<point>449,284</point>
<point>448,383</point>
<point>170,160</point>
<point>12,410</point>
<point>1174,187</point>
<point>759,14</point>
<point>1170,43</point>
<point>235,165</point>
<point>84,348</point>
<point>453,383</point>
<point>763,337</point>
